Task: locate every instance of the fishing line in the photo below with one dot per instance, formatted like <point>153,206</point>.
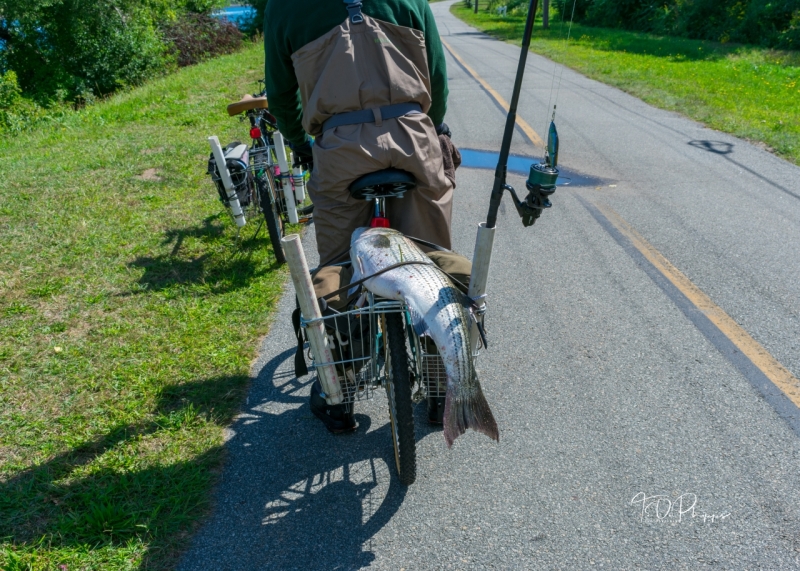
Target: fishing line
<point>561,75</point>
<point>555,67</point>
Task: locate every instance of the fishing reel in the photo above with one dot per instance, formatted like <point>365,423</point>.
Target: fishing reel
<point>541,183</point>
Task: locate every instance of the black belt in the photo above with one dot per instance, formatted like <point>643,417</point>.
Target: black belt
<point>372,115</point>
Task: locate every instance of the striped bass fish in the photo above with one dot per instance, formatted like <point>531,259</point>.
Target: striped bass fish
<point>438,309</point>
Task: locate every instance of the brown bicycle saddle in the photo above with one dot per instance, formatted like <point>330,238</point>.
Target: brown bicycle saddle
<point>248,102</point>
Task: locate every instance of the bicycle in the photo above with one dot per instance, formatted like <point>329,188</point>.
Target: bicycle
<point>373,344</point>
<point>258,177</point>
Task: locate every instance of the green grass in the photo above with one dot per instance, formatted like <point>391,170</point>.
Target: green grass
<point>129,316</point>
<point>750,92</point>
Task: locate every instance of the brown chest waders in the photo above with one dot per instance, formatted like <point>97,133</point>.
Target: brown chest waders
<point>365,89</point>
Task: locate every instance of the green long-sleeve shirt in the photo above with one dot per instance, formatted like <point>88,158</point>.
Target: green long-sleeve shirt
<point>291,24</point>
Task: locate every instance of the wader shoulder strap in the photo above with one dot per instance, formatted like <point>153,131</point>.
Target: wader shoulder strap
<point>354,11</point>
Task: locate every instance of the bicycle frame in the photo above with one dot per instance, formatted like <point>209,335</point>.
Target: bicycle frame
<point>367,346</point>
<point>265,139</point>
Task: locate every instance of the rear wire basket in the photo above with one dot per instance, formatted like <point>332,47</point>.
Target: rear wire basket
<point>260,159</point>
<point>433,378</point>
<point>242,184</point>
<point>356,341</point>
<point>429,368</point>
<point>260,165</point>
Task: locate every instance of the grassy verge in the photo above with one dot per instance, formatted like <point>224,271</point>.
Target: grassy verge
<point>749,92</point>
<point>128,320</point>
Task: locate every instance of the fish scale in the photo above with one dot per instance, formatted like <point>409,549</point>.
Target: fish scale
<point>437,309</point>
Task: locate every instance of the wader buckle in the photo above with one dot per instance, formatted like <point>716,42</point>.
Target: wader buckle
<point>354,10</point>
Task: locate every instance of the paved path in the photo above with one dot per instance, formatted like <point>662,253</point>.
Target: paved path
<point>607,381</point>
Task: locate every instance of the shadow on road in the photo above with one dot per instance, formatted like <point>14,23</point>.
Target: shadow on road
<point>292,495</point>
<point>479,35</point>
<point>716,147</point>
<point>725,149</point>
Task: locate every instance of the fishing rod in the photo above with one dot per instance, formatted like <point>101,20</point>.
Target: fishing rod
<point>541,184</point>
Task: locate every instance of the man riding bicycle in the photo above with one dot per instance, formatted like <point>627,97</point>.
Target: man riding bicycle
<point>369,83</point>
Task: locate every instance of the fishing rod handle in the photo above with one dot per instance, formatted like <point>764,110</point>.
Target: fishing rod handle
<point>481,260</point>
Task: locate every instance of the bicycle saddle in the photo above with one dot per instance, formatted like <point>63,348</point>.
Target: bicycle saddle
<point>387,183</point>
<point>248,102</point>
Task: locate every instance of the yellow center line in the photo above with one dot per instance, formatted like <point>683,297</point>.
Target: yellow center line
<point>526,128</point>
<point>752,349</point>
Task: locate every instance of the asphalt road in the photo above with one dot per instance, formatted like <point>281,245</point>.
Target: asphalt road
<point>608,384</point>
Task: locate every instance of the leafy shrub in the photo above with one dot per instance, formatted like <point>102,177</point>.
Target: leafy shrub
<point>10,93</point>
<point>513,6</point>
<point>18,112</point>
<point>77,50</point>
<point>769,23</point>
<point>790,37</point>
<point>195,37</point>
<point>81,47</point>
<point>565,9</point>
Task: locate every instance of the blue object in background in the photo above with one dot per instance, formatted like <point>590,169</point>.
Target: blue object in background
<point>478,159</point>
<point>238,15</point>
<point>472,158</point>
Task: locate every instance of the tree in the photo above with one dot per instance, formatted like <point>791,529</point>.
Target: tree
<point>76,49</point>
<point>770,23</point>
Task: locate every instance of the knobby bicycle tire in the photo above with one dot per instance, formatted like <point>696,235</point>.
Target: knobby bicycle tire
<point>398,391</point>
<point>269,207</point>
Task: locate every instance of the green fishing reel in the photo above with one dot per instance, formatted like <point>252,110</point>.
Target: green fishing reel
<point>541,183</point>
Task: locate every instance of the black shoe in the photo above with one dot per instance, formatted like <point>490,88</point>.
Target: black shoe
<point>337,418</point>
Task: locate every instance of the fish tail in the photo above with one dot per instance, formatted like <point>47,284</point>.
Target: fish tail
<point>470,410</point>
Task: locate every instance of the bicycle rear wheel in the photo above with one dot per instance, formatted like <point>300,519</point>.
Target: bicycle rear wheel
<point>398,391</point>
<point>267,198</point>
